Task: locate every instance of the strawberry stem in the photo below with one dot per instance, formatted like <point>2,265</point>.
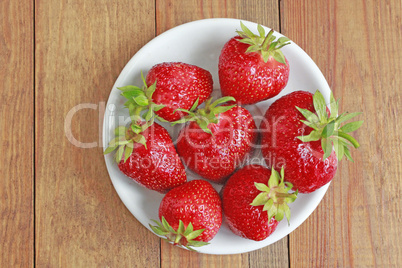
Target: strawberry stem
<point>266,39</point>
<point>348,137</point>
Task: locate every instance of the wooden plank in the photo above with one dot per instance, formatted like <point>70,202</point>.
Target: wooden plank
<point>16,132</point>
<point>81,47</point>
<point>170,14</point>
<point>357,46</point>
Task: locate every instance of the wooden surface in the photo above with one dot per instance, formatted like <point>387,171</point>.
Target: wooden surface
<point>59,60</point>
<point>16,132</point>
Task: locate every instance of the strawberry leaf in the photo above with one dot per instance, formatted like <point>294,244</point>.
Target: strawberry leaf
<point>136,128</point>
<point>128,151</point>
<point>261,31</point>
<point>181,228</point>
<point>260,199</point>
<point>313,136</point>
<point>347,154</point>
<point>279,213</point>
<point>110,149</point>
<point>246,30</point>
<point>320,106</point>
<point>352,126</point>
<point>182,237</point>
<point>194,234</point>
<point>119,153</point>
<point>222,109</point>
<point>339,150</point>
<point>333,104</point>
<point>140,139</point>
<point>326,145</point>
<point>195,243</point>
<point>327,127</point>
<point>275,196</point>
<point>345,117</point>
<point>265,45</point>
<point>195,105</point>
<point>279,57</point>
<point>310,116</point>
<point>328,130</point>
<point>221,101</point>
<point>120,131</point>
<point>141,100</point>
<point>130,88</point>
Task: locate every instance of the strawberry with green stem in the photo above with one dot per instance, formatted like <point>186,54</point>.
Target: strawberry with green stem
<point>145,151</point>
<point>299,133</point>
<point>217,138</point>
<point>327,127</point>
<point>190,215</point>
<point>139,101</point>
<point>177,86</point>
<point>255,199</point>
<point>252,68</point>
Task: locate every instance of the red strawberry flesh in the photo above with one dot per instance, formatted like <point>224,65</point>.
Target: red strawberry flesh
<point>156,166</point>
<point>196,202</point>
<point>246,76</point>
<point>303,161</point>
<point>238,193</point>
<point>178,85</point>
<point>216,156</point>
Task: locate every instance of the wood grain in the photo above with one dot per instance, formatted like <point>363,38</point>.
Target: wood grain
<point>171,13</point>
<point>357,46</point>
<point>16,132</point>
<point>81,47</point>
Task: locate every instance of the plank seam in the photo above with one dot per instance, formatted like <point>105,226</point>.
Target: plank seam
<point>34,130</point>
<point>279,16</point>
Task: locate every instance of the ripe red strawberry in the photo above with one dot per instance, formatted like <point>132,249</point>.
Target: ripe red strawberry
<point>254,200</point>
<point>150,158</point>
<point>252,68</point>
<point>299,134</point>
<point>191,214</point>
<point>217,139</point>
<point>178,85</point>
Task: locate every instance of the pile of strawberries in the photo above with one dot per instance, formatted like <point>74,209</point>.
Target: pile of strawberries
<point>300,138</point>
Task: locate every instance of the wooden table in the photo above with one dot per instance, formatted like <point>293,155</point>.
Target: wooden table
<point>58,207</point>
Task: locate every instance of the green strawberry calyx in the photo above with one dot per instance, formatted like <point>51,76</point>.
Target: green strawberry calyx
<point>263,44</point>
<point>141,108</point>
<point>125,138</point>
<point>275,196</point>
<point>209,114</point>
<point>139,101</point>
<point>183,236</point>
<point>328,129</point>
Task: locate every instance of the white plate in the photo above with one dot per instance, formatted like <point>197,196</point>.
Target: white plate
<point>200,43</point>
